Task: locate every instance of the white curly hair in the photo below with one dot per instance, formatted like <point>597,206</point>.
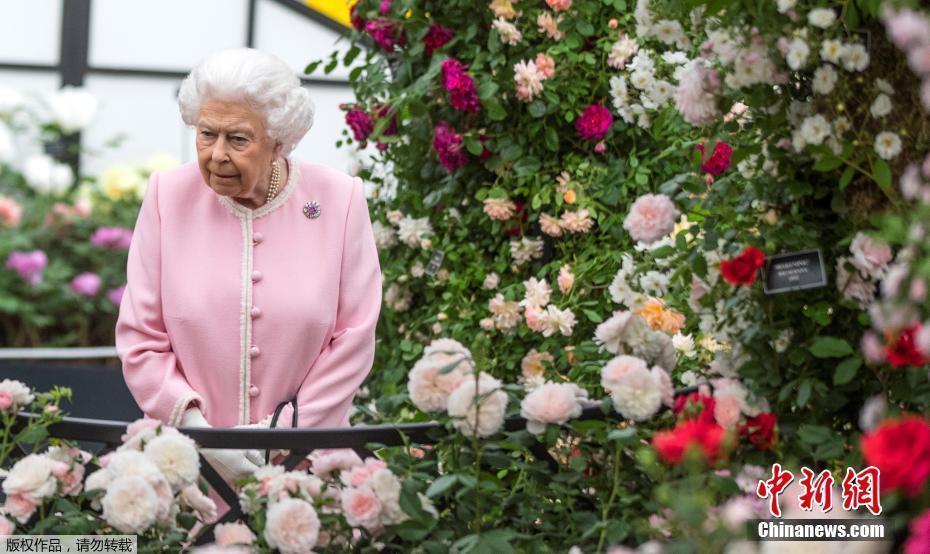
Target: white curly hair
<point>260,80</point>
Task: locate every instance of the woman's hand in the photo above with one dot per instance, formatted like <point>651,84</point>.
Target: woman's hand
<point>230,464</point>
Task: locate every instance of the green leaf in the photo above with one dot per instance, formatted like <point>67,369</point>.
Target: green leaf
<point>584,27</point>
<point>846,370</point>
<point>537,109</point>
<point>441,485</point>
<point>804,393</point>
<point>830,347</point>
<point>31,435</point>
<point>527,166</point>
<point>473,146</point>
<point>512,152</point>
<point>592,315</point>
<point>814,434</point>
<point>846,177</point>
<point>882,174</point>
<point>496,111</point>
<point>552,139</point>
<point>827,162</point>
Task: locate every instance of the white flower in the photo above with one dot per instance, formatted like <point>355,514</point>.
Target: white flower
<point>556,320</point>
<point>831,51</point>
<point>642,61</point>
<point>412,231</point>
<point>46,175</point>
<point>537,293</point>
<point>292,526</point>
<point>668,31</point>
<point>397,299</point>
<point>526,249</point>
<point>130,504</point>
<point>654,283</point>
<point>815,129</point>
<point>797,53</point>
<point>618,90</point>
<point>508,31</point>
<point>621,51</point>
<point>684,344</point>
<point>620,290</point>
<point>614,370</point>
<point>821,17</point>
<point>824,79</point>
<point>887,145</point>
<point>855,57</point>
<point>197,501</point>
<point>73,108</point>
<point>10,99</point>
<point>611,334</point>
<point>506,312</point>
<point>386,487</point>
<point>6,145</point>
<point>881,106</point>
<point>31,476</point>
<point>638,393</point>
<point>661,91</point>
<point>474,416</point>
<point>19,392</point>
<point>176,457</point>
<point>884,86</point>
<point>385,236</point>
<point>491,280</point>
<point>785,5</point>
<point>675,57</point>
<point>642,79</point>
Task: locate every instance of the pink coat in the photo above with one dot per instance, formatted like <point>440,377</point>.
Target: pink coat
<point>239,309</point>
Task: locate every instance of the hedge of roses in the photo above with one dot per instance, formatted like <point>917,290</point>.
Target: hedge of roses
<point>584,193</point>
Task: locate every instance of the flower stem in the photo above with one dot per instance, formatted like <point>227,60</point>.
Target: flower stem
<point>614,489</point>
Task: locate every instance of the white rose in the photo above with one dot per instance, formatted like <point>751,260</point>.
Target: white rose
<point>73,108</point>
<point>46,175</point>
<point>176,457</point>
<point>31,476</point>
<point>637,394</point>
<point>19,392</point>
<point>821,17</point>
<point>292,526</point>
<point>130,504</point>
<point>483,417</point>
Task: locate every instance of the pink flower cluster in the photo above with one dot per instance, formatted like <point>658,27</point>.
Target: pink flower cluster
<point>462,92</point>
<point>910,31</point>
<point>436,37</point>
<point>696,96</point>
<point>594,123</point>
<point>117,238</point>
<point>86,284</point>
<point>386,33</point>
<point>28,265</point>
<point>448,146</point>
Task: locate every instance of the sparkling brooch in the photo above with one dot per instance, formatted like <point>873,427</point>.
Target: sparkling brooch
<point>312,209</point>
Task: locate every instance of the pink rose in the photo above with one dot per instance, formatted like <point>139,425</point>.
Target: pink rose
<point>6,527</point>
<point>229,534</point>
<point>545,64</point>
<point>726,410</point>
<point>361,507</point>
<point>325,462</point>
<point>594,123</point>
<point>359,474</point>
<point>612,373</point>
<point>292,526</point>
<point>535,319</point>
<point>872,348</point>
<point>20,506</point>
<point>651,218</point>
<point>870,255</point>
<point>550,403</point>
<point>10,212</point>
<point>138,426</point>
<point>559,5</point>
<point>6,400</point>
<point>907,28</point>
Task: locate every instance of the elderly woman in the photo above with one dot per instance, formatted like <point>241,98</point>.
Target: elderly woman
<point>253,279</point>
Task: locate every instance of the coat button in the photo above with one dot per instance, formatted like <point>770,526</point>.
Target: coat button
<point>256,276</point>
<point>254,352</point>
<point>257,237</point>
<point>256,312</point>
<point>253,391</point>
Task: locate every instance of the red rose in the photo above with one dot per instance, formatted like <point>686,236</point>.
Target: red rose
<point>695,404</point>
<point>900,449</point>
<point>719,160</point>
<point>436,37</point>
<point>742,269</point>
<point>594,122</point>
<point>706,437</point>
<point>761,430</point>
<point>903,352</point>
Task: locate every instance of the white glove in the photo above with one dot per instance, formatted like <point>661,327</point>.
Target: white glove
<point>230,464</point>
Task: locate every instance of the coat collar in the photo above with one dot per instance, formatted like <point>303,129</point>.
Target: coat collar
<point>241,211</point>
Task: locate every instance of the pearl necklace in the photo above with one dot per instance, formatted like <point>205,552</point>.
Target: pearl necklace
<point>274,182</point>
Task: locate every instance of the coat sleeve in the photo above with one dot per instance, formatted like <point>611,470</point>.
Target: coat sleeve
<point>150,367</point>
<point>327,391</point>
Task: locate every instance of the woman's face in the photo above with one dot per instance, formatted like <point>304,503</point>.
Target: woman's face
<point>234,151</point>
